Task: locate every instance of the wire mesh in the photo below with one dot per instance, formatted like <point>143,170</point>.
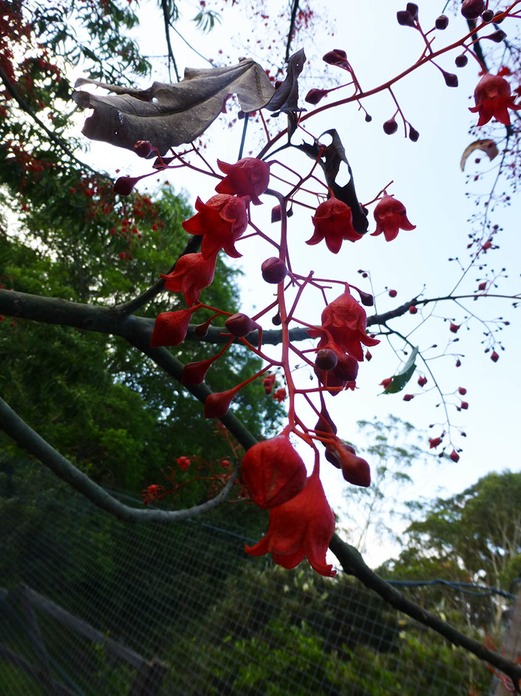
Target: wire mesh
<point>182,610</point>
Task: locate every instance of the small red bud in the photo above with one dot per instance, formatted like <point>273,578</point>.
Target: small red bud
<point>471,9</point>
<point>413,309</point>
<point>390,126</point>
<point>315,95</point>
<point>442,22</point>
<point>273,270</point>
<point>494,356</point>
<point>405,19</point>
<point>461,61</point>
<point>408,397</point>
<point>125,185</point>
<point>451,80</point>
<point>487,15</point>
<point>482,286</point>
<point>454,456</point>
<point>240,325</point>
<point>413,134</point>
<point>276,214</point>
<point>143,148</point>
<point>464,405</point>
<point>326,359</point>
<point>392,293</point>
<point>454,328</point>
<point>462,391</point>
<point>422,380</point>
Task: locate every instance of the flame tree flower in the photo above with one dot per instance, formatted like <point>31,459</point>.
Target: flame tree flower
<point>301,528</point>
<point>344,321</point>
<point>273,472</point>
<point>390,216</point>
<point>247,177</point>
<point>333,222</point>
<point>220,221</point>
<point>192,273</point>
<point>493,98</point>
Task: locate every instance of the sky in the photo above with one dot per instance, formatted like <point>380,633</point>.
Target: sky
<point>427,179</point>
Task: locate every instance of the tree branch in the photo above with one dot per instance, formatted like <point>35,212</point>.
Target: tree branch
<point>352,562</point>
<point>30,441</point>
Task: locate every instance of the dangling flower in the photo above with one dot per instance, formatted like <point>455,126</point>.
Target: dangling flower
<point>220,222</point>
<point>247,177</point>
<point>342,374</point>
<point>390,216</point>
<point>333,222</point>
<point>301,528</point>
<point>493,97</point>
<point>192,273</point>
<point>355,470</point>
<point>345,322</point>
<point>273,472</point>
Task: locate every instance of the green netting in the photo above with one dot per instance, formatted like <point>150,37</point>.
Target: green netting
<point>91,605</point>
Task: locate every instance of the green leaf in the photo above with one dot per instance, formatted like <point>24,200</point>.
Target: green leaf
<point>401,378</point>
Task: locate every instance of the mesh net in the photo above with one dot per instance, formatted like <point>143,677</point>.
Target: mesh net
<point>93,605</point>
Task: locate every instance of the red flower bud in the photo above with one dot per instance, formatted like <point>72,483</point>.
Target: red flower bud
<point>462,391</point>
<point>125,185</point>
<point>217,405</point>
<point>422,380</point>
<point>183,463</point>
<point>494,356</point>
<point>454,456</point>
<point>315,95</point>
<point>170,328</point>
<point>240,325</point>
<point>273,472</point>
<point>408,397</point>
<point>442,22</point>
<point>326,359</point>
<point>434,442</point>
<point>273,270</point>
<point>471,9</point>
<point>390,127</point>
<point>454,327</point>
<point>392,293</point>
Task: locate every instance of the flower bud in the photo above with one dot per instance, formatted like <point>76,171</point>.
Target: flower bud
<point>390,126</point>
<point>451,80</point>
<point>143,148</point>
<point>413,134</point>
<point>273,270</point>
<point>442,22</point>
<point>316,95</point>
<point>217,404</point>
<point>405,19</point>
<point>487,15</point>
<point>471,9</point>
<point>124,185</point>
<point>461,61</point>
<point>240,325</point>
<point>326,359</point>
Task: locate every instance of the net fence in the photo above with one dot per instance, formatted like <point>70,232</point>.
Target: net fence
<point>91,605</point>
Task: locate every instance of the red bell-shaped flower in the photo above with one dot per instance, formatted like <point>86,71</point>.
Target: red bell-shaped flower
<point>192,273</point>
<point>301,528</point>
<point>247,177</point>
<point>390,216</point>
<point>220,221</point>
<point>273,472</point>
<point>493,98</point>
<point>344,322</point>
<point>333,222</point>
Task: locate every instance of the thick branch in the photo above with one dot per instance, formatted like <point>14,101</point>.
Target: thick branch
<point>352,562</point>
<point>30,441</point>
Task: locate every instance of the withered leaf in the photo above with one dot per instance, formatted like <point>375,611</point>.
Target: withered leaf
<point>330,160</point>
<point>169,115</point>
<point>488,146</point>
<point>286,95</point>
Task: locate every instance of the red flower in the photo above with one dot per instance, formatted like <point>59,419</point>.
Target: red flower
<point>247,177</point>
<point>345,322</point>
<point>333,222</point>
<point>301,528</point>
<point>192,273</point>
<point>280,394</point>
<point>220,221</point>
<point>273,472</point>
<point>390,216</point>
<point>183,463</point>
<point>434,442</point>
<point>170,328</point>
<point>493,97</point>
